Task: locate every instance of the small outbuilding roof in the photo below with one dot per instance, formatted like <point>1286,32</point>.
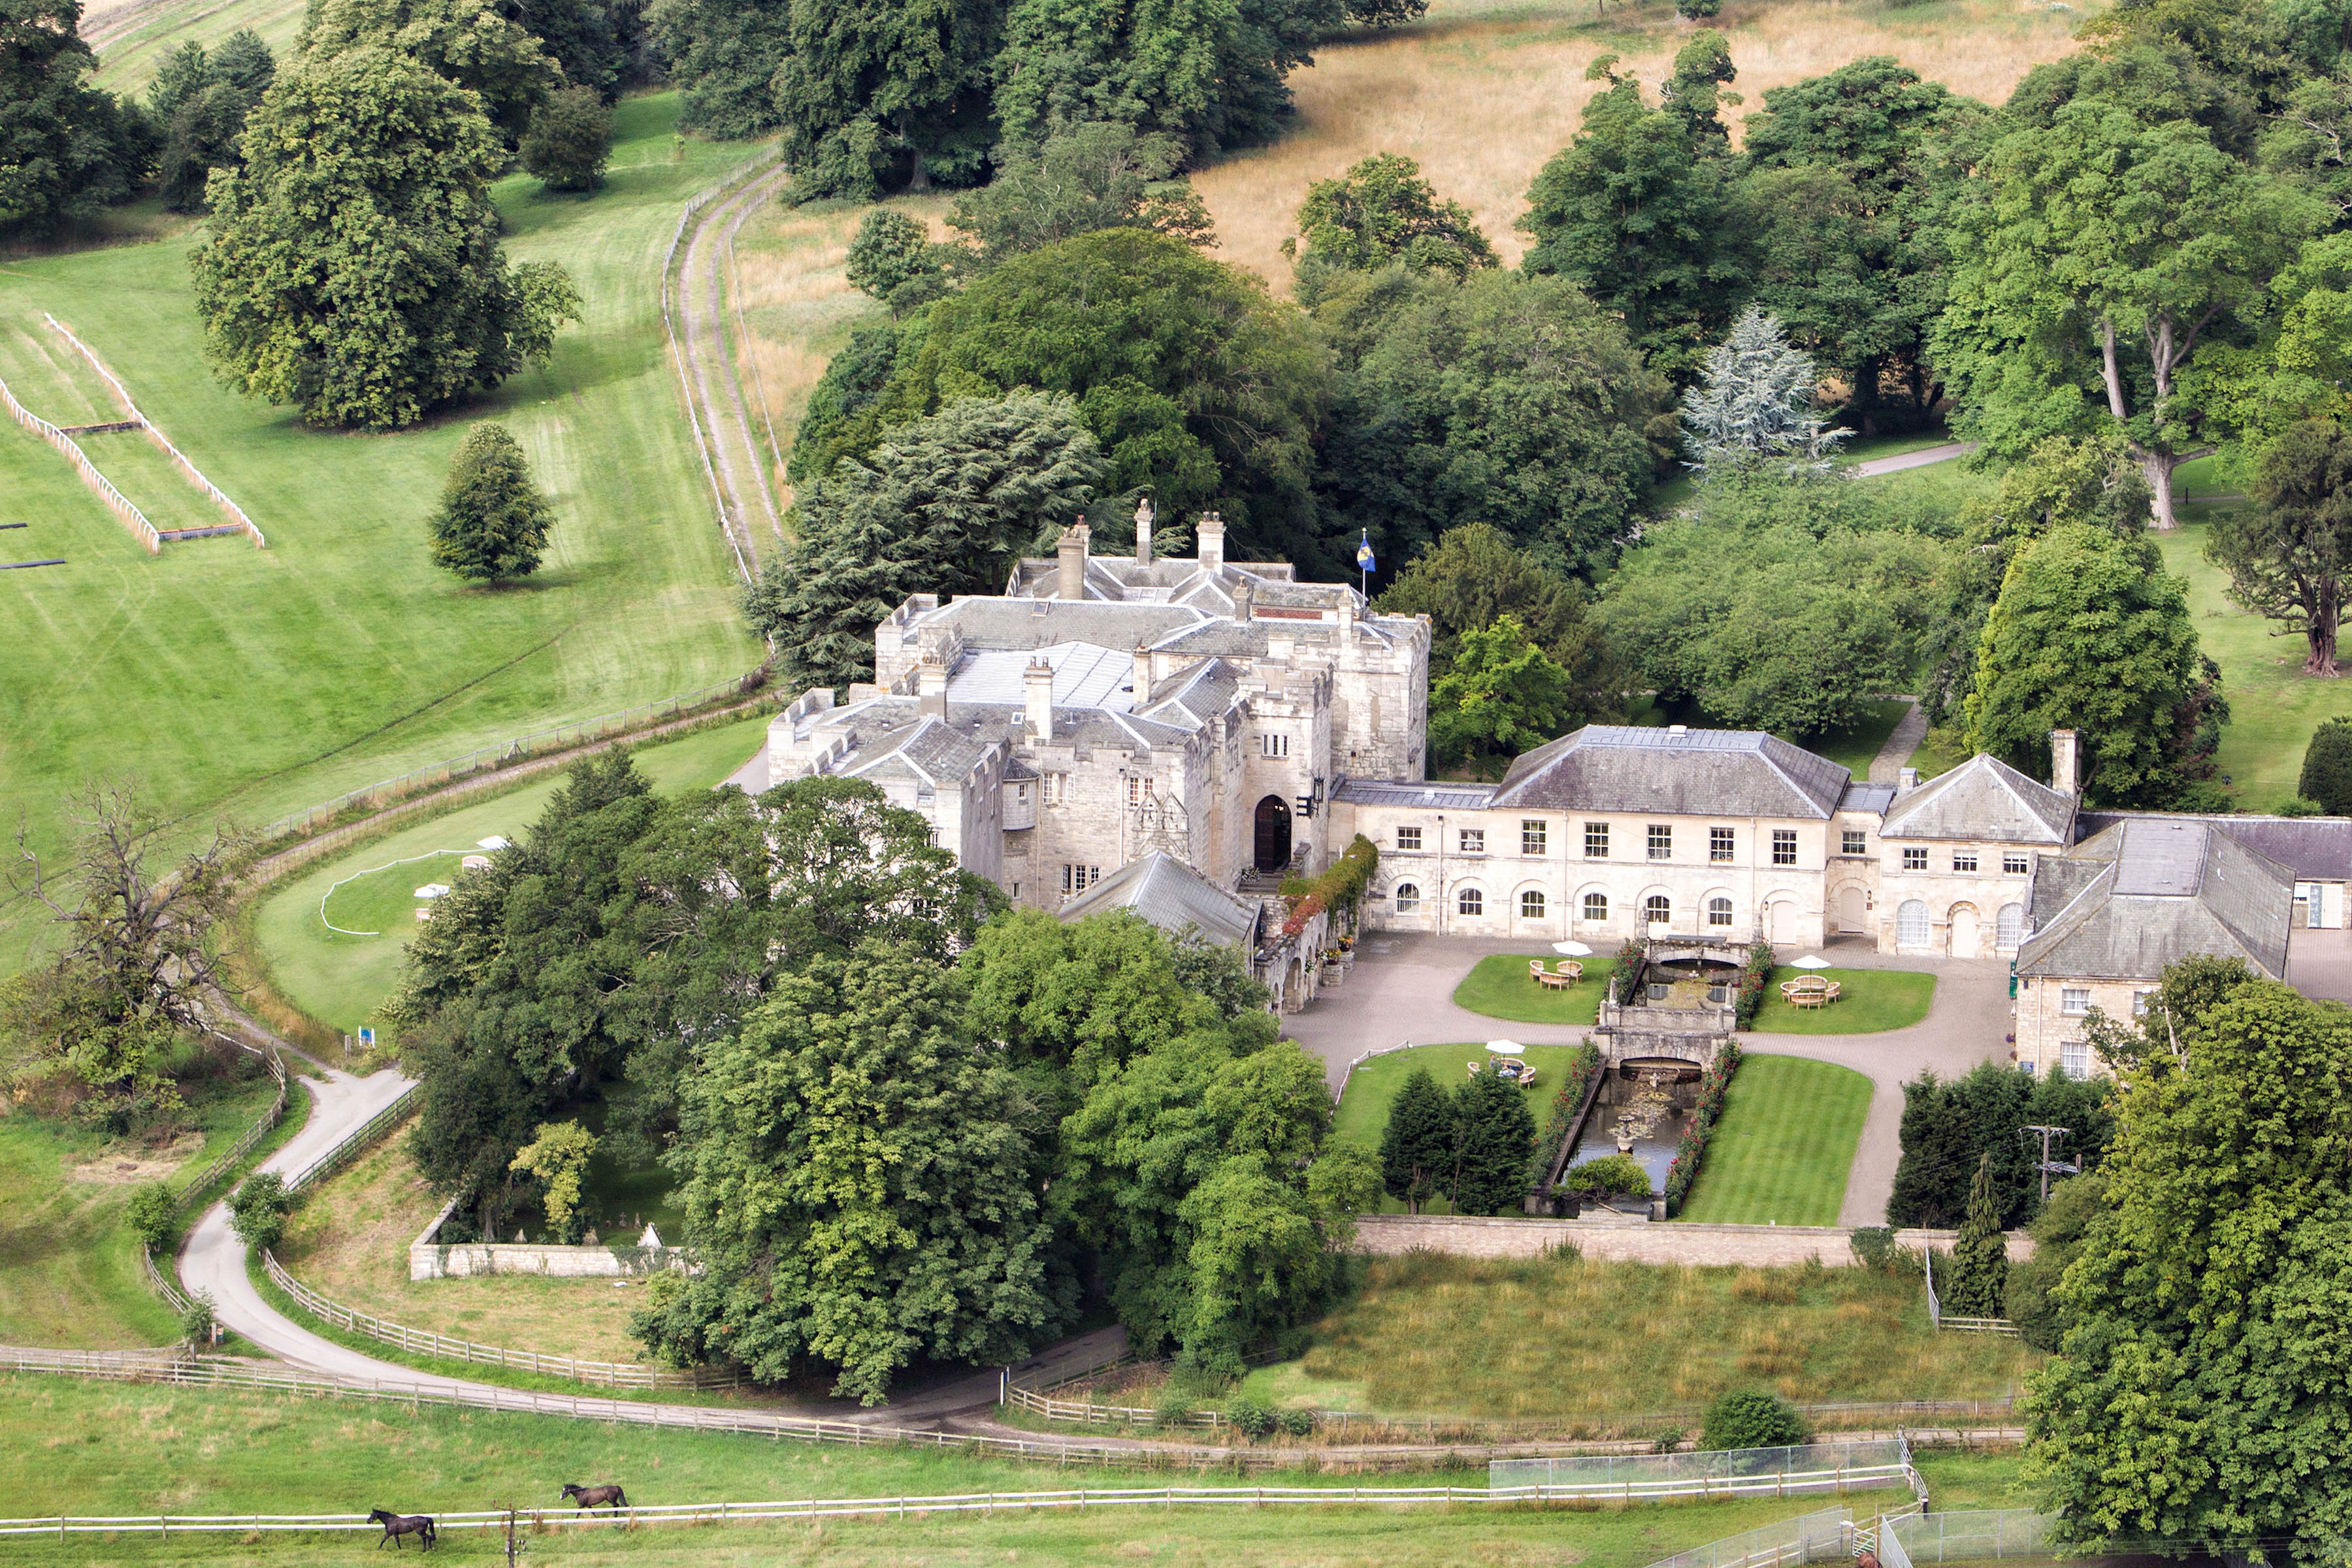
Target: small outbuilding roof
<point>1983,799</point>
<point>2315,849</point>
<point>1172,896</point>
<point>1696,772</point>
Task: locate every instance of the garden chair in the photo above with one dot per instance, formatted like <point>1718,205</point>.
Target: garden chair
<point>1831,994</point>
<point>1535,972</point>
<point>1473,1069</point>
<point>1571,972</point>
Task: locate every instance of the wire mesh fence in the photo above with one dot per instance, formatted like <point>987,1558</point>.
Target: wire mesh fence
<point>1967,1535</point>
<point>1819,1537</point>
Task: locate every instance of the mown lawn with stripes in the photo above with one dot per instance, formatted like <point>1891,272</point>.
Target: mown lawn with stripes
<point>1781,1154</point>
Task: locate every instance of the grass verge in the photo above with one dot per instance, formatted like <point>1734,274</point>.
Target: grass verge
<point>1578,1341</point>
<point>1500,987</point>
<point>1870,1000</point>
<point>1782,1154</point>
<point>96,1449</point>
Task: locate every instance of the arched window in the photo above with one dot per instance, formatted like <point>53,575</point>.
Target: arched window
<point>1596,906</point>
<point>1531,905</point>
<point>1408,897</point>
<point>2010,929</point>
<point>1658,910</point>
<point>1470,901</point>
<point>1718,911</point>
<point>1911,923</point>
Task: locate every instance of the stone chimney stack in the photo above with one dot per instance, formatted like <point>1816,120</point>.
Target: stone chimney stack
<point>2065,762</point>
<point>1245,599</point>
<point>1037,682</point>
<point>931,687</point>
<point>1144,531</point>
<point>1212,551</point>
<point>1070,550</point>
<point>1906,780</point>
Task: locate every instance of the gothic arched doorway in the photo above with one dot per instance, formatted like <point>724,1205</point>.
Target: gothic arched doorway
<point>1273,834</point>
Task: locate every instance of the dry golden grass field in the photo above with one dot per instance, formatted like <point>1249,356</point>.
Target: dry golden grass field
<point>1482,92</point>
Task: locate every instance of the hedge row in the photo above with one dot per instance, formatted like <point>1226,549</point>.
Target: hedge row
<point>1712,1088</point>
<point>1752,977</point>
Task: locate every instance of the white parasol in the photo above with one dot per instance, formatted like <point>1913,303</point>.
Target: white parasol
<point>1809,961</point>
<point>1572,950</point>
<point>1505,1048</point>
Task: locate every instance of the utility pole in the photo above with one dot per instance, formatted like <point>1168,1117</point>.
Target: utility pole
<point>2050,1167</point>
<point>515,1548</point>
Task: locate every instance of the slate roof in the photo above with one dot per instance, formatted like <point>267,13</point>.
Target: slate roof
<point>1172,896</point>
<point>1437,797</point>
<point>1085,675</point>
<point>2315,849</point>
<point>2152,890</point>
<point>930,751</point>
<point>1863,796</point>
<point>988,622</point>
<point>1983,798</point>
<point>1698,772</point>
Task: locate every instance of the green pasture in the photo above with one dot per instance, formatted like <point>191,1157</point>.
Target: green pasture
<point>1786,1143</point>
<point>1500,987</point>
<point>70,1272</point>
<point>1579,1342</point>
<point>98,1448</point>
<point>127,62</point>
<point>2274,706</point>
<point>239,684</point>
<point>1870,1000</point>
<point>340,979</point>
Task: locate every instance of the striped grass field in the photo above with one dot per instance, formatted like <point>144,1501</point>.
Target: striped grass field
<point>241,683</point>
<point>1781,1154</point>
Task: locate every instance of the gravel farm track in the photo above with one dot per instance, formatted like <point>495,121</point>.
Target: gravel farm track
<point>740,476</point>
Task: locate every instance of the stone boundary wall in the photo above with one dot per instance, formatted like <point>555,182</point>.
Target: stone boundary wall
<point>1755,1246</point>
<point>431,1260</point>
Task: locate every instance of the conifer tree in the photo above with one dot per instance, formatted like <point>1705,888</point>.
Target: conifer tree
<point>1980,1258</point>
<point>493,522</point>
<point>1417,1147</point>
<point>1498,1132</point>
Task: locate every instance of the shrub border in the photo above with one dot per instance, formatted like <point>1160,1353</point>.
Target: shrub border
<point>1714,1085</point>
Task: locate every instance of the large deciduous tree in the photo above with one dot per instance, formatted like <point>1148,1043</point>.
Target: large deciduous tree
<point>67,150</point>
<point>1100,175</point>
<point>1765,623</point>
<point>724,54</point>
<point>1500,696</point>
<point>569,139</point>
<point>354,268</point>
<point>1473,576</point>
<point>1635,210</point>
<point>1499,398</point>
<point>943,505</point>
<point>874,95</point>
<point>861,1184</point>
<point>2091,634</point>
<point>1200,388</point>
<point>2199,1393</point>
<point>1849,178</point>
<point>2289,556</point>
<point>472,43</point>
<point>1381,213</point>
<point>2106,251</point>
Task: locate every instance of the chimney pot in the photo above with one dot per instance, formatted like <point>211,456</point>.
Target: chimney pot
<point>1213,540</point>
<point>1070,551</point>
<point>2065,762</point>
<point>1037,685</point>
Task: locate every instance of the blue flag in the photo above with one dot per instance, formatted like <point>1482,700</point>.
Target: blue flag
<point>1364,561</point>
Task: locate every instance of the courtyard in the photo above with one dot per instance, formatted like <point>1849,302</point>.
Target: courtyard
<point>1898,1017</point>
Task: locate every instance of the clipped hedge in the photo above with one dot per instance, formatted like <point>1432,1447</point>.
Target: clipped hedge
<point>1611,1176</point>
<point>1712,1088</point>
<point>1582,1068</point>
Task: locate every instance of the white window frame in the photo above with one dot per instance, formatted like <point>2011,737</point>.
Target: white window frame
<point>1596,841</point>
<point>1660,840</point>
<point>2075,1059</point>
<point>1408,839</point>
<point>2016,865</point>
<point>1584,907</point>
<point>1408,897</point>
<point>1533,836</point>
<point>1542,905</point>
<point>1964,862</point>
<point>1784,843</point>
<point>2074,1001</point>
<point>1718,911</point>
<point>1915,857</point>
<point>1472,841</point>
<point>1470,903</point>
<point>1722,846</point>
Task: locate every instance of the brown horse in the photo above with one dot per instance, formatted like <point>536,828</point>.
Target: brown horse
<point>396,1525</point>
<point>597,1497</point>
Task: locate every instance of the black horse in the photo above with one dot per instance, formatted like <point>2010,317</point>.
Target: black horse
<point>396,1525</point>
<point>597,1497</point>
